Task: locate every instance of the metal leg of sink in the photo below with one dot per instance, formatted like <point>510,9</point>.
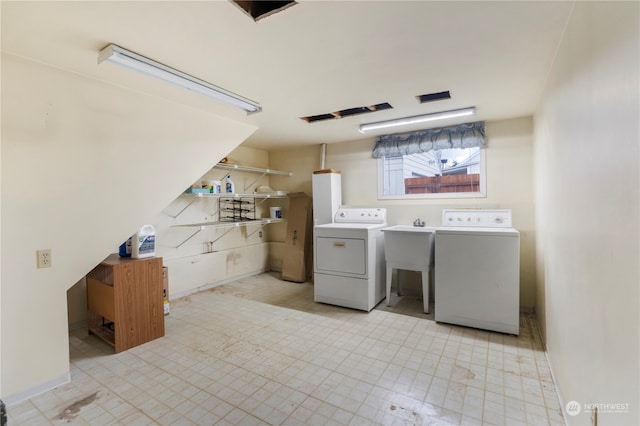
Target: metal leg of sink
<point>425,290</point>
<point>389,273</point>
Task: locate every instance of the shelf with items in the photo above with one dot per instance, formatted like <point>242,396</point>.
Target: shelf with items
<point>257,196</point>
<point>196,196</point>
<point>262,172</point>
<point>239,168</point>
<point>277,194</point>
<point>224,224</point>
<point>234,209</point>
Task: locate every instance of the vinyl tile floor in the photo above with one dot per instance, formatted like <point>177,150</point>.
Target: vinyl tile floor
<point>259,351</point>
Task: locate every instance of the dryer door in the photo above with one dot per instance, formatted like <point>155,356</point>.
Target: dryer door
<point>341,255</point>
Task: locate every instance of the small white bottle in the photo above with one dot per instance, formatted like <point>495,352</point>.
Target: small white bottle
<point>230,187</point>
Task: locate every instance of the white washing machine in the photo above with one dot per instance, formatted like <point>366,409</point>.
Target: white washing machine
<point>349,263</point>
<point>477,270</point>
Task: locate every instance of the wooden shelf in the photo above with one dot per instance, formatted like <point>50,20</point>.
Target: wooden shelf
<point>103,333</point>
<point>128,293</point>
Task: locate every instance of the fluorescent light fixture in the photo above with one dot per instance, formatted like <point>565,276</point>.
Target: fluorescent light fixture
<point>131,60</point>
<point>418,119</point>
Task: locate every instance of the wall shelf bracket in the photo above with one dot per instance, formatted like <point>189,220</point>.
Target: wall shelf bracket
<point>181,210</point>
<point>259,228</point>
<point>226,231</point>
<point>255,180</point>
<point>190,237</point>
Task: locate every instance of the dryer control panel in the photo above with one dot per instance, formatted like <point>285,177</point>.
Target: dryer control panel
<point>360,215</point>
<point>477,218</point>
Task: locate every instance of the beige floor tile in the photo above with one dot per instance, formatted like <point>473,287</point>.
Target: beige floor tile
<point>261,351</point>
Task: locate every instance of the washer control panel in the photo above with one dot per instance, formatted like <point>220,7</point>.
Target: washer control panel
<point>477,218</point>
<point>357,215</point>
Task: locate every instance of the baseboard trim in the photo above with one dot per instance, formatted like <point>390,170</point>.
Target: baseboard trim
<point>555,385</point>
<point>19,397</point>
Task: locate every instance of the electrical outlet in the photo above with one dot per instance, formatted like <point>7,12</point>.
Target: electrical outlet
<point>44,258</point>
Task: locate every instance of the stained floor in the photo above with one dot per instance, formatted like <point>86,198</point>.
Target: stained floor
<point>259,351</point>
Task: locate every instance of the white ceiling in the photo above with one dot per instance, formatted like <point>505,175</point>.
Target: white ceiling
<point>312,58</point>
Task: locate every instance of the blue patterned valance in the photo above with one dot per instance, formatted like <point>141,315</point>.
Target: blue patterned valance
<point>468,135</point>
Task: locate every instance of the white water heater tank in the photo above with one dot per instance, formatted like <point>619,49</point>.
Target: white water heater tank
<point>327,195</point>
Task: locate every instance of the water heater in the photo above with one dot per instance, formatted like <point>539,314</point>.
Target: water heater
<point>327,195</point>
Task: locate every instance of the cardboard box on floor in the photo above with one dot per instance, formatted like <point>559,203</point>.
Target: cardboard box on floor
<point>165,289</point>
<point>296,265</point>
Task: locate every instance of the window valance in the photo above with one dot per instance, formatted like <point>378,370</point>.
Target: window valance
<point>468,135</point>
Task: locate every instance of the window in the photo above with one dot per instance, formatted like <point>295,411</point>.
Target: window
<point>439,173</point>
<point>443,162</point>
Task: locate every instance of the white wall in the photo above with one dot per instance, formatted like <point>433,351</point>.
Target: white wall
<point>84,164</point>
<point>587,201</point>
<point>214,255</point>
<point>509,185</point>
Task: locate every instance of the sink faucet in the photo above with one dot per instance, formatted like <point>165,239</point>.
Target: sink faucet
<point>418,222</point>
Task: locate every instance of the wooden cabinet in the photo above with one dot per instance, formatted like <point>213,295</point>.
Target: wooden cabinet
<point>124,301</point>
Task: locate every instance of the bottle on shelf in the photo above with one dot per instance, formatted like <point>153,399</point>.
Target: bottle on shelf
<point>230,188</point>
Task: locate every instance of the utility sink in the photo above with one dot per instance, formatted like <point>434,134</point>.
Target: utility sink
<point>409,245</point>
<point>410,248</point>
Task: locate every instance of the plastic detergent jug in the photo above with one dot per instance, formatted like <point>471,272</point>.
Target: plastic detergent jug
<point>143,243</point>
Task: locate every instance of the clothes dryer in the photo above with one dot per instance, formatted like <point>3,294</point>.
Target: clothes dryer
<point>349,263</point>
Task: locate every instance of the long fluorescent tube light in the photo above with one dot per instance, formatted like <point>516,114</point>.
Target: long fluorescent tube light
<point>131,60</point>
<point>417,119</point>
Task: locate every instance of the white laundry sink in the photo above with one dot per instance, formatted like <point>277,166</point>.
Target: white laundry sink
<point>409,245</point>
<point>409,248</point>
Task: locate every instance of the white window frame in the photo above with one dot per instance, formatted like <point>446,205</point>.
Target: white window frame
<point>482,193</point>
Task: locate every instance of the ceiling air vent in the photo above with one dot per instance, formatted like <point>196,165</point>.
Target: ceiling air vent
<point>346,112</point>
<point>259,9</point>
<point>319,117</point>
<point>430,97</point>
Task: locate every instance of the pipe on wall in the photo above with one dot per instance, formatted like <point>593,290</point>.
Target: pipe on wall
<point>323,155</point>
